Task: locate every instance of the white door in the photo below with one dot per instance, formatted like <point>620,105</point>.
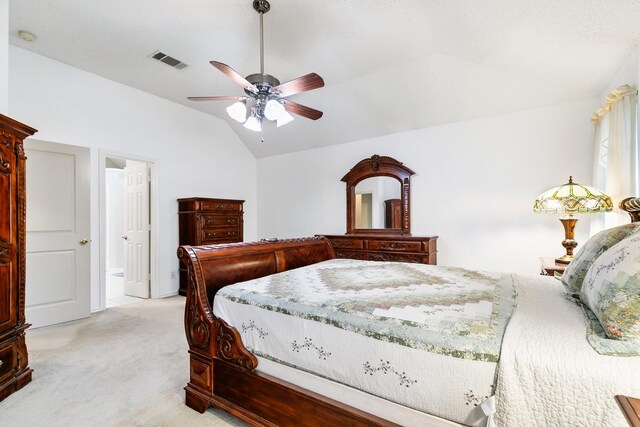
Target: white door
<point>136,226</point>
<point>58,268</point>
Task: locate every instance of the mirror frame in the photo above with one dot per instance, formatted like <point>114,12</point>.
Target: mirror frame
<point>379,166</point>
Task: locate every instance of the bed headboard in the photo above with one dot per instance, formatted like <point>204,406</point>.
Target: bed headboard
<point>222,265</point>
<point>632,206</point>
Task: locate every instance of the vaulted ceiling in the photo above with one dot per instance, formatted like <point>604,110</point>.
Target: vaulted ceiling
<point>389,65</point>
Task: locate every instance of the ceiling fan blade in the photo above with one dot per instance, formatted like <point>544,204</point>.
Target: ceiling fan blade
<point>215,98</point>
<point>301,110</point>
<point>301,84</point>
<point>233,75</point>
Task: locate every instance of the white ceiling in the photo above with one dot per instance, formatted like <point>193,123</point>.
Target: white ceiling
<point>389,65</point>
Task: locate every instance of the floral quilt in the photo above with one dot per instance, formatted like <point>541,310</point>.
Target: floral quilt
<point>444,310</point>
<point>426,337</point>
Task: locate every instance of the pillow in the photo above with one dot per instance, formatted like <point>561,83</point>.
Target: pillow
<point>611,289</point>
<point>575,272</point>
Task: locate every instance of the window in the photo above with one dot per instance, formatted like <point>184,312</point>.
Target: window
<point>616,169</point>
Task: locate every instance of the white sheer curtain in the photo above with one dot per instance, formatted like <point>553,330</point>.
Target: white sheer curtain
<point>616,169</point>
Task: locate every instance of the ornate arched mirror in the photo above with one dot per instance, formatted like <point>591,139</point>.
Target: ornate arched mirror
<point>378,197</point>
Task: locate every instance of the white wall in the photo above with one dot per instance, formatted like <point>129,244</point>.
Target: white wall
<point>627,73</point>
<point>475,185</point>
<point>4,57</point>
<point>196,154</point>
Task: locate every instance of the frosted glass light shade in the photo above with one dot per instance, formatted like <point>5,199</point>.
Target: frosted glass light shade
<point>284,118</point>
<point>238,111</point>
<point>572,198</point>
<point>253,124</point>
<point>273,109</point>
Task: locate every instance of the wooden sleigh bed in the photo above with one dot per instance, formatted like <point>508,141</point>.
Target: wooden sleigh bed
<point>223,372</point>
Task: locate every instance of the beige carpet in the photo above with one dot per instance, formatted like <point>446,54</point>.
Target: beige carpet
<point>122,367</point>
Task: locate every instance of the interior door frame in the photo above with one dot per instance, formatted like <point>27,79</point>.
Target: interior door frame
<point>153,218</point>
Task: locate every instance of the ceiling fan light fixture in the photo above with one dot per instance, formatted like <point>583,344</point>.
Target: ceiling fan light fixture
<point>253,123</point>
<point>273,110</point>
<point>284,118</point>
<point>266,94</point>
<point>238,111</point>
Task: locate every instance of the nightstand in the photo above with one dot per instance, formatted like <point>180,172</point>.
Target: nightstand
<point>549,266</point>
<point>631,409</point>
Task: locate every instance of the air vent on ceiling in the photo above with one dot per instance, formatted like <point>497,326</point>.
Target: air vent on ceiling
<point>173,62</point>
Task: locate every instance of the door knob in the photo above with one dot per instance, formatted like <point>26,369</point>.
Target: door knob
<point>84,241</point>
<point>125,237</point>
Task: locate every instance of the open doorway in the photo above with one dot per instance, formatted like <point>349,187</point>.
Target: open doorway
<point>126,226</point>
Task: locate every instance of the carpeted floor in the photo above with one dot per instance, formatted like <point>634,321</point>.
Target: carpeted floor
<point>123,367</point>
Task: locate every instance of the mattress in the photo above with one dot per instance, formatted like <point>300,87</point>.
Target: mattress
<point>424,337</point>
<point>548,373</point>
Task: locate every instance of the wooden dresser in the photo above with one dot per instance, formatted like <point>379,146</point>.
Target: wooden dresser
<point>380,247</point>
<point>14,370</point>
<point>205,221</point>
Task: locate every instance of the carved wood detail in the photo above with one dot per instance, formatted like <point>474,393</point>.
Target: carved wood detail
<point>231,349</point>
<point>22,225</point>
<point>631,205</point>
<point>198,317</point>
<point>6,252</point>
<point>21,353</point>
<point>201,323</point>
<point>394,246</point>
<point>6,139</point>
<point>345,244</point>
<point>5,167</point>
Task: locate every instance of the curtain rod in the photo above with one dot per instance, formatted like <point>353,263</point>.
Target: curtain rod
<point>612,98</point>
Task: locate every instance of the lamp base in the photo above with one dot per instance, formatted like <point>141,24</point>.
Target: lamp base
<point>569,244</point>
<point>564,259</point>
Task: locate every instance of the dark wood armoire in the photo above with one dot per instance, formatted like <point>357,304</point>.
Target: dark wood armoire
<point>14,370</point>
<point>206,221</point>
<point>393,213</point>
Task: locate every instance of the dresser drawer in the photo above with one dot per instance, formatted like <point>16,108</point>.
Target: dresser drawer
<point>212,235</point>
<point>6,360</point>
<point>347,244</point>
<point>220,220</point>
<point>399,246</point>
<point>397,257</point>
<point>211,205</point>
<point>342,254</point>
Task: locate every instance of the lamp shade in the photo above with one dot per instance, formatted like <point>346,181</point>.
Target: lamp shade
<point>253,123</point>
<point>273,109</point>
<point>572,198</point>
<point>238,111</point>
<point>284,118</point>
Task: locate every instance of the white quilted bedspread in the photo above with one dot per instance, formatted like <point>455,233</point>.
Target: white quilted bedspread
<point>548,373</point>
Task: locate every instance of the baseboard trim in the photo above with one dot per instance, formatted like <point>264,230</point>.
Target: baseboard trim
<point>170,294</point>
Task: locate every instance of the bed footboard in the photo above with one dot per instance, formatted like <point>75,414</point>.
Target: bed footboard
<point>222,370</point>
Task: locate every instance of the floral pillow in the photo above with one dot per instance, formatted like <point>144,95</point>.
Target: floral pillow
<point>611,289</point>
<point>577,269</point>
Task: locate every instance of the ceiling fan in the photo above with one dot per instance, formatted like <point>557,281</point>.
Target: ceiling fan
<point>265,92</point>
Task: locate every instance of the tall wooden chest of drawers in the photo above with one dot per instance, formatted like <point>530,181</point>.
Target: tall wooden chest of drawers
<point>14,370</point>
<point>205,221</point>
<point>379,247</point>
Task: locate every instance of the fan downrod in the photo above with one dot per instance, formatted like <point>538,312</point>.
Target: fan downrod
<point>261,6</point>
